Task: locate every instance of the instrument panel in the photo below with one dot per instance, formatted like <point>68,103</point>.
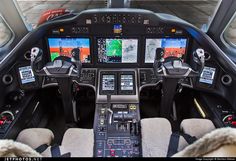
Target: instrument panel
<point>109,39</point>
<point>121,39</point>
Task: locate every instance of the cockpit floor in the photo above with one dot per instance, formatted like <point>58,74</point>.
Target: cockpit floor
<point>150,105</point>
<point>85,112</point>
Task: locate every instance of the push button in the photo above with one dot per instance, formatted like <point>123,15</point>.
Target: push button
<point>99,153</point>
<point>132,107</point>
<point>112,152</point>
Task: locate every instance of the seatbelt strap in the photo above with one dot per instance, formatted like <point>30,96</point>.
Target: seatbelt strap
<point>55,151</point>
<point>66,155</point>
<point>41,148</point>
<point>189,139</point>
<point>173,144</point>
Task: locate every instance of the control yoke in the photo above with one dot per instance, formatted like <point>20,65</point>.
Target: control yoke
<point>172,69</point>
<point>57,68</point>
<point>62,71</point>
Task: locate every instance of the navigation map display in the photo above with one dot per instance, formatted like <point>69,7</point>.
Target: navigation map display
<point>108,82</point>
<point>63,47</point>
<point>126,82</point>
<point>117,50</point>
<point>172,46</point>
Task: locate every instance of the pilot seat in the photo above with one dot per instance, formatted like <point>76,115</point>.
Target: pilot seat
<point>76,142</point>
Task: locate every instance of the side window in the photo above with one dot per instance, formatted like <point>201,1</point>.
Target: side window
<point>230,33</point>
<point>5,33</point>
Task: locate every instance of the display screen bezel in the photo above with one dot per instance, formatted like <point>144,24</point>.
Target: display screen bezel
<point>73,37</point>
<point>166,37</point>
<point>117,37</point>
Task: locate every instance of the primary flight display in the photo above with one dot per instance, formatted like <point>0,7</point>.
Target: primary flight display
<point>64,46</point>
<point>172,47</point>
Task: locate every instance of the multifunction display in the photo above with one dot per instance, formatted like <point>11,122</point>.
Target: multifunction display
<point>175,47</point>
<point>126,82</point>
<point>117,83</point>
<point>26,75</point>
<point>108,82</point>
<point>117,50</point>
<point>64,46</point>
<point>207,75</point>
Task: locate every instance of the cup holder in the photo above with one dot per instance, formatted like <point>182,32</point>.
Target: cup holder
<point>7,79</point>
<point>226,80</point>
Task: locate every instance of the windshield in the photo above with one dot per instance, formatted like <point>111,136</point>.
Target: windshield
<point>196,12</point>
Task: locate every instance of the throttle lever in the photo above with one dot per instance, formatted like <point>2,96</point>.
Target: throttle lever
<point>109,109</point>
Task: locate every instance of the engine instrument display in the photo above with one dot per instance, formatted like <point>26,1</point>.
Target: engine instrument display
<point>108,82</point>
<point>207,75</point>
<point>26,75</point>
<point>64,46</point>
<point>172,46</point>
<point>126,82</point>
<point>117,50</point>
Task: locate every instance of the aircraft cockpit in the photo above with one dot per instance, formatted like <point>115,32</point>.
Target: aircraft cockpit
<point>116,82</point>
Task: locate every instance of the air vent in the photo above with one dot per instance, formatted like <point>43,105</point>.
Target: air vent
<point>207,56</point>
<point>27,55</point>
<point>226,80</point>
<point>7,79</point>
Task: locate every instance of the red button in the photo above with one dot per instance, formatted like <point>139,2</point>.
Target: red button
<point>1,122</point>
<point>230,118</point>
<point>233,123</point>
<point>112,152</point>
